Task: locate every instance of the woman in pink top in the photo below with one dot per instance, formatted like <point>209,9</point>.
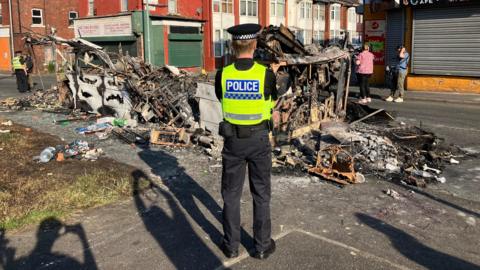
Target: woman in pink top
<point>364,64</point>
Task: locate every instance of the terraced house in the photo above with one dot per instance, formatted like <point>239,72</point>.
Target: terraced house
<point>17,17</point>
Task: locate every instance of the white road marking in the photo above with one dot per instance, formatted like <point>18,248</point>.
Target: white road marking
<point>357,251</point>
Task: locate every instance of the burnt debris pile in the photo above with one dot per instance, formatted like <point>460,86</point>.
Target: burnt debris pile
<point>317,129</point>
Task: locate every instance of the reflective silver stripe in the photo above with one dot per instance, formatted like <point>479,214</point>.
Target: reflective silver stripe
<point>243,116</point>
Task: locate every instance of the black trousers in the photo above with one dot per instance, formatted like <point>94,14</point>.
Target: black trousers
<point>22,82</point>
<point>238,154</point>
<point>364,85</point>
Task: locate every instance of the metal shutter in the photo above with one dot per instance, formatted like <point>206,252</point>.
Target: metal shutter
<point>395,28</point>
<point>446,41</point>
<point>185,50</point>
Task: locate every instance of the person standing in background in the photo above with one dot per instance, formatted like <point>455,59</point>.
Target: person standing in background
<point>29,67</point>
<point>20,72</point>
<point>402,70</point>
<point>364,64</point>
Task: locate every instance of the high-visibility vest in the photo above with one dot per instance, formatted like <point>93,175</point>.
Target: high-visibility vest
<point>243,95</point>
<point>17,64</point>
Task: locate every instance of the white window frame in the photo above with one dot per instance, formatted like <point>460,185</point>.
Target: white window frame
<point>70,25</point>
<point>36,16</point>
<point>123,5</point>
<point>248,4</point>
<point>274,12</point>
<point>91,7</point>
<point>172,6</point>
<point>335,12</point>
<point>228,4</point>
<point>352,15</point>
<point>302,10</point>
<point>220,42</point>
<point>320,12</point>
<point>306,10</point>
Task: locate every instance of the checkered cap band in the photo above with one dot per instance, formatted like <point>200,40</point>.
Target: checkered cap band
<point>244,37</point>
<point>243,96</point>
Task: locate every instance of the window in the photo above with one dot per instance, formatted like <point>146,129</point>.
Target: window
<point>37,17</point>
<point>225,6</point>
<point>319,12</point>
<point>302,10</point>
<point>91,7</point>
<point>308,37</point>
<point>248,8</point>
<point>1,18</point>
<point>308,9</point>
<point>123,5</point>
<point>359,18</point>
<point>72,15</point>
<point>172,6</point>
<point>305,10</point>
<point>222,43</point>
<point>277,8</point>
<point>335,13</point>
<point>352,16</point>
<point>318,37</point>
<point>301,35</point>
<point>216,5</point>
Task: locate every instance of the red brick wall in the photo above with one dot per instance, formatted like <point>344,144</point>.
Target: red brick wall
<point>55,15</point>
<point>186,8</point>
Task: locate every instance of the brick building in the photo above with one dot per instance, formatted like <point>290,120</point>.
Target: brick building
<point>39,16</point>
<point>320,21</point>
<point>172,32</point>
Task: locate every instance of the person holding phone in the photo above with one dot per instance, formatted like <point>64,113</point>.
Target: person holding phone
<point>402,70</point>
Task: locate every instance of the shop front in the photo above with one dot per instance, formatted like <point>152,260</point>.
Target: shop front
<point>109,32</point>
<point>442,36</point>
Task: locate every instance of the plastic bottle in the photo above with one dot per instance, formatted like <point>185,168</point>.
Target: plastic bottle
<point>47,154</point>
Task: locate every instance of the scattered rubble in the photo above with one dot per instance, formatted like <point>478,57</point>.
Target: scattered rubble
<point>77,149</point>
<point>319,131</point>
<point>392,193</point>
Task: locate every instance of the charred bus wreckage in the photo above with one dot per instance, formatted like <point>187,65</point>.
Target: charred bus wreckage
<point>320,131</point>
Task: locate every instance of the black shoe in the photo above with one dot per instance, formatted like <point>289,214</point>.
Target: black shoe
<point>262,255</point>
<point>229,253</point>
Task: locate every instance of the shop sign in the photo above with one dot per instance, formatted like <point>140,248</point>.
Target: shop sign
<point>425,3</point>
<point>375,37</point>
<point>104,27</point>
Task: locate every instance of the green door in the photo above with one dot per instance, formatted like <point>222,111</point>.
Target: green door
<point>185,50</point>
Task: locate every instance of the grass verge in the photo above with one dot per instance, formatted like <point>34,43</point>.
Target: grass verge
<point>31,192</point>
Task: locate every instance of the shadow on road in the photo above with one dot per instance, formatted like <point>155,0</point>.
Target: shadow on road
<point>171,229</point>
<point>415,250</point>
<point>189,193</point>
<point>42,256</point>
<point>437,199</point>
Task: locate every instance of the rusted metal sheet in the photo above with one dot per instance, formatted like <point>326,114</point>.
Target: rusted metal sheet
<point>335,164</point>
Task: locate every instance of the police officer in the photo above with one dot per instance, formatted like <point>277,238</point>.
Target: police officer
<point>247,91</point>
<point>20,72</point>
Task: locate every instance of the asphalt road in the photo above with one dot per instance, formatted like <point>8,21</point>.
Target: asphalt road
<point>317,225</point>
<point>8,84</point>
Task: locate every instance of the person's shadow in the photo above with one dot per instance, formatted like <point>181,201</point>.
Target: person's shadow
<point>42,256</point>
<point>414,249</point>
<point>187,191</point>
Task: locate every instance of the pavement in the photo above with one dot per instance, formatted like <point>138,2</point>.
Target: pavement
<point>430,96</point>
<point>9,85</point>
<point>317,225</point>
